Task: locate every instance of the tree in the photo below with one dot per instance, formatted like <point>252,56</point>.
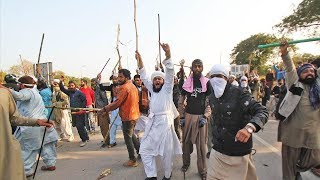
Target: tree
<point>304,58</point>
<point>24,68</point>
<point>248,50</point>
<point>2,75</point>
<point>305,17</point>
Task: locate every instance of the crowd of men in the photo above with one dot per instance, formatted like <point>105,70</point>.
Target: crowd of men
<point>166,115</point>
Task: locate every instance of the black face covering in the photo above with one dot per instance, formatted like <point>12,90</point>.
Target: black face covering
<point>72,90</point>
<point>156,90</point>
<point>307,80</point>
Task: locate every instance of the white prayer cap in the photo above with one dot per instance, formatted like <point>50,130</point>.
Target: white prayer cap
<point>244,78</point>
<point>115,74</point>
<point>232,76</point>
<point>219,69</point>
<point>56,81</point>
<point>157,74</point>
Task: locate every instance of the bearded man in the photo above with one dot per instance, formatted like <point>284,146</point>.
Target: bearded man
<point>196,89</point>
<point>159,138</point>
<point>77,100</point>
<point>300,110</point>
<point>127,100</point>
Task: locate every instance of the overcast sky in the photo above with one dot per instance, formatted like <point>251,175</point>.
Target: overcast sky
<point>81,35</point>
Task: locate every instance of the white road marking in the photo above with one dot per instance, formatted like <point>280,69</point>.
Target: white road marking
<point>272,148</point>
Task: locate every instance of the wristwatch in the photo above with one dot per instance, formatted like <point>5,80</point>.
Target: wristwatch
<point>249,129</point>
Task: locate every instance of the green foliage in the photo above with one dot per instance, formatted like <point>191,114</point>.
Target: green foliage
<point>304,58</point>
<point>25,67</point>
<point>305,17</point>
<point>248,50</point>
<point>2,75</point>
<point>58,74</point>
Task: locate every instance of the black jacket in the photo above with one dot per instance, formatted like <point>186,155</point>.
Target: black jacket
<point>230,113</point>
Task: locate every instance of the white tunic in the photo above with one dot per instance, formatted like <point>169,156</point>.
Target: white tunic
<point>159,129</point>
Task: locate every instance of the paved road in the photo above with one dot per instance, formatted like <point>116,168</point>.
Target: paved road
<point>86,163</point>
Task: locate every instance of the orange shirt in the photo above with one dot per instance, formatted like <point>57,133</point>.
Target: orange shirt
<point>127,101</point>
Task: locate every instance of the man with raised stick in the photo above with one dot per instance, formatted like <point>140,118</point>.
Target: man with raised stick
<point>159,137</point>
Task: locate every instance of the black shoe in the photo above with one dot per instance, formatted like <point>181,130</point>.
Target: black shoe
<point>151,178</point>
<point>184,168</point>
<point>112,145</point>
<point>208,155</point>
<point>103,145</point>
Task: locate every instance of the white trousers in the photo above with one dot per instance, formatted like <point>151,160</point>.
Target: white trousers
<point>150,166</point>
<point>65,124</point>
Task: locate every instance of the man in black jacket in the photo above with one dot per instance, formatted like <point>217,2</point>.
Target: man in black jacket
<point>77,100</point>
<point>235,117</point>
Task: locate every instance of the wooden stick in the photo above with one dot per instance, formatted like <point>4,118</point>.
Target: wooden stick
<point>44,134</point>
<point>117,47</point>
<point>73,108</point>
<point>180,65</point>
<point>40,49</point>
<point>159,41</point>
<point>135,24</point>
<point>104,65</point>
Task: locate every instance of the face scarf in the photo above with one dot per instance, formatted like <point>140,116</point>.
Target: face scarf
<point>218,84</point>
<point>244,84</point>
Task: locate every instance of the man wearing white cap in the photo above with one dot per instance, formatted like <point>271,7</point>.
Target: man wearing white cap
<point>159,137</point>
<point>244,83</point>
<point>232,109</point>
<point>232,80</point>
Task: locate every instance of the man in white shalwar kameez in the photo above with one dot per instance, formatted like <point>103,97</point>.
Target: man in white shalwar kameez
<point>159,137</point>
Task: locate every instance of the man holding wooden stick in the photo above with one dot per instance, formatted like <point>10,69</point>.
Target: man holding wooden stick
<point>127,101</point>
<point>159,138</point>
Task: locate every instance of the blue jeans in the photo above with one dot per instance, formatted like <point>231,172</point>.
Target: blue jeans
<point>113,132</point>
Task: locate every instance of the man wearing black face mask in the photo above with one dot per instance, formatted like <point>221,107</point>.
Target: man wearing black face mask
<point>300,109</point>
<point>77,100</point>
<point>193,122</point>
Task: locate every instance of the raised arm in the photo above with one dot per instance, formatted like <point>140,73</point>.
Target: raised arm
<point>291,73</point>
<point>103,88</point>
<point>169,69</point>
<point>143,73</point>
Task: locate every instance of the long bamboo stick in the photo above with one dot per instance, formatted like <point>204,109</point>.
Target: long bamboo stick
<point>159,40</point>
<point>135,24</point>
<point>73,108</point>
<point>289,42</point>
